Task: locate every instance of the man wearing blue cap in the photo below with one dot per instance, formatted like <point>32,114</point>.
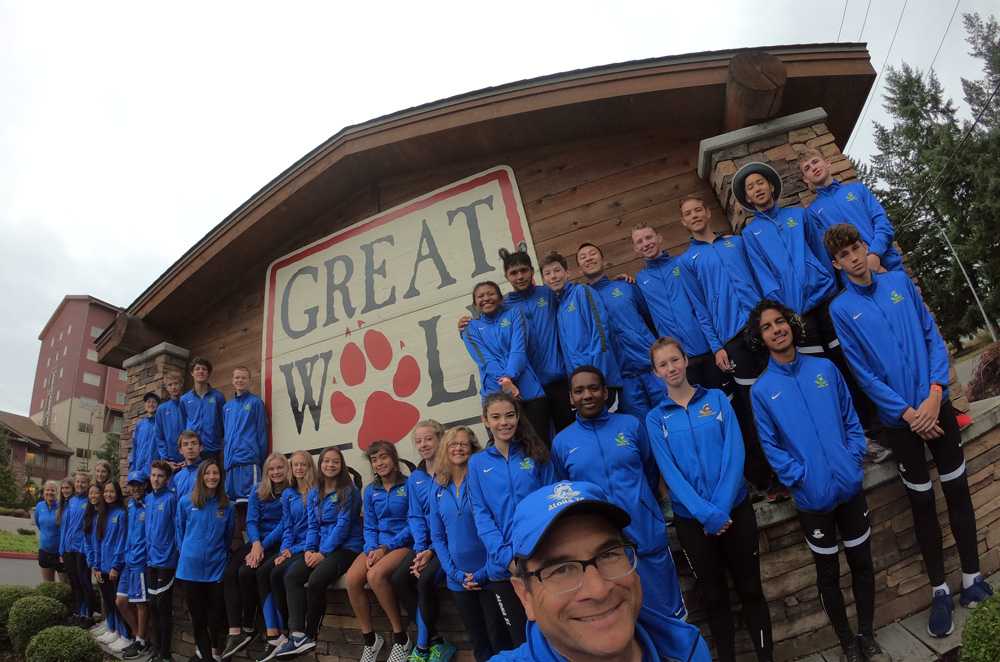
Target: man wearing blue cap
<point>575,575</point>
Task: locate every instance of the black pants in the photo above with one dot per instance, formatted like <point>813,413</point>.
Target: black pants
<point>306,604</point>
<point>160,587</point>
<point>557,394</point>
<point>277,577</point>
<point>240,582</point>
<point>908,448</point>
<point>206,603</point>
<point>418,593</point>
<point>736,551</point>
<point>850,521</point>
<point>509,615</point>
<point>747,367</point>
<point>109,591</point>
<point>487,630</point>
<point>84,598</point>
<point>537,413</point>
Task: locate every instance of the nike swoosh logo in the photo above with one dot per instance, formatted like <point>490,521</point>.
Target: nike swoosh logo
<point>866,513</point>
<point>775,396</point>
<point>856,316</point>
<point>420,482</point>
<point>487,470</point>
<point>757,232</point>
<point>645,282</point>
<point>572,450</point>
<point>695,256</point>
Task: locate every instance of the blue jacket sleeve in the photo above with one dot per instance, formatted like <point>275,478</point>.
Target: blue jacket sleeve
<point>500,553</point>
<point>161,441</point>
<point>288,530</point>
<point>417,520</point>
<point>770,287</point>
<point>696,295</point>
<point>711,518</point>
<point>480,355</point>
<point>517,354</point>
<point>882,226</point>
<point>643,306</point>
<point>936,349</point>
<point>734,455</point>
<point>121,539</point>
<point>346,514</point>
<point>556,460</point>
<point>439,540</point>
<point>402,538</point>
<point>370,524</point>
<point>62,533</point>
<point>788,469</point>
<point>180,524</point>
<point>650,468</point>
<point>312,520</point>
<point>275,536</point>
<point>546,473</point>
<point>597,312</point>
<point>90,549</point>
<point>812,227</point>
<point>253,516</point>
<point>857,445</point>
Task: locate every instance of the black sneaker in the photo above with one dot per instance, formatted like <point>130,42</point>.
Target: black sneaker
<point>236,642</point>
<point>134,651</point>
<point>271,649</point>
<point>851,651</point>
<point>870,649</point>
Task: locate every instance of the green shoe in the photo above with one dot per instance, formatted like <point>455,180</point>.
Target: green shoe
<point>418,656</point>
<point>442,652</point>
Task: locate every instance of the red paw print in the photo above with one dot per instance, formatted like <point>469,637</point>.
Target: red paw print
<point>384,416</point>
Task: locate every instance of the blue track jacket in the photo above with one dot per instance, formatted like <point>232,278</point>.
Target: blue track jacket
<point>335,525</point>
<point>891,342</point>
<point>110,552</point>
<point>245,425</point>
<point>584,334</point>
<point>662,285</point>
<point>294,521</point>
<point>496,485</point>
<point>809,431</point>
<point>785,266</point>
<point>418,489</point>
<point>498,345</point>
<point>385,517</point>
<point>170,419</point>
<point>612,452</point>
<point>144,447</point>
<point>48,530</point>
<point>264,520</point>
<point>720,286</point>
<point>91,545</point>
<point>71,528</point>
<point>853,203</point>
<point>629,322</point>
<point>700,451</point>
<point>203,536</point>
<point>182,482</point>
<point>454,536</point>
<point>538,306</point>
<point>204,416</point>
<point>135,545</point>
<point>161,517</point>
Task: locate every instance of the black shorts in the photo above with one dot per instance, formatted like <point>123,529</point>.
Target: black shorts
<point>849,522</point>
<point>49,561</point>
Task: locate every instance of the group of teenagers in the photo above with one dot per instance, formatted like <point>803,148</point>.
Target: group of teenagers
<point>749,359</point>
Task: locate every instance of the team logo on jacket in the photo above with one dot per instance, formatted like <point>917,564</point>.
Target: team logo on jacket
<point>617,293</point>
<point>220,513</point>
<point>728,243</point>
<point>505,322</point>
<point>620,439</point>
<point>541,302</point>
<point>821,381</point>
<point>895,296</point>
<point>562,494</point>
<point>114,520</point>
<point>527,464</point>
<point>792,223</point>
<point>333,498</point>
<point>571,308</point>
<point>851,197</point>
<point>401,490</point>
<point>706,410</point>
<point>246,407</point>
<point>676,272</point>
<point>210,399</point>
<point>159,507</point>
<point>142,517</point>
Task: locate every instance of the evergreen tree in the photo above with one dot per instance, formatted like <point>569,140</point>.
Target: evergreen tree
<point>109,452</point>
<point>9,492</point>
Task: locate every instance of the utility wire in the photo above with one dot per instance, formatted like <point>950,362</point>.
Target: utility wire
<point>871,95</point>
<point>941,43</point>
<point>842,17</point>
<point>865,21</point>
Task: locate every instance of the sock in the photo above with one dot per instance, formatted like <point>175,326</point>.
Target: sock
<point>298,635</point>
<point>968,579</point>
<point>942,587</point>
<point>399,638</point>
<point>247,630</point>
<point>369,638</point>
<point>436,639</point>
<point>140,641</point>
<point>422,651</point>
<point>275,640</point>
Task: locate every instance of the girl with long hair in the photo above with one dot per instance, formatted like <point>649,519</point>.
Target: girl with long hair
<point>204,529</point>
<point>72,550</point>
<point>514,466</point>
<point>333,542</point>
<point>387,542</point>
<point>458,547</point>
<point>46,517</point>
<point>697,443</point>
<point>109,534</point>
<point>102,472</point>
<point>264,530</point>
<point>295,522</point>
<point>497,341</point>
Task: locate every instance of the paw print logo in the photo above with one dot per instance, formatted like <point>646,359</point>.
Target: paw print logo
<point>384,415</point>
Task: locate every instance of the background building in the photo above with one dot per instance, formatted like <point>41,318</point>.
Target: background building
<point>73,396</point>
<point>35,453</point>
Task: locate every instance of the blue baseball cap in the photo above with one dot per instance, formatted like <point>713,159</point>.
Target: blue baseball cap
<point>538,511</point>
<point>136,477</point>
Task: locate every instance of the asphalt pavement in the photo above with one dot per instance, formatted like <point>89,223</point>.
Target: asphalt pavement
<point>21,572</point>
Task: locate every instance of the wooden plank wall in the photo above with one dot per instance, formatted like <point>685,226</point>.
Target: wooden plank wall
<point>590,190</point>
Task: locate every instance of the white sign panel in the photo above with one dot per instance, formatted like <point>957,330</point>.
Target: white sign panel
<point>360,337</point>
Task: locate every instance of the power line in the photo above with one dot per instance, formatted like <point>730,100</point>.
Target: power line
<point>941,43</point>
<point>878,77</point>
<point>865,21</point>
<point>842,17</point>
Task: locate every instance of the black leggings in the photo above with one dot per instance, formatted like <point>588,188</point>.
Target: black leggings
<point>277,577</point>
<point>160,587</point>
<point>747,367</point>
<point>850,521</point>
<point>306,604</point>
<point>109,590</point>
<point>240,582</point>
<point>418,593</point>
<point>510,616</point>
<point>537,413</point>
<point>908,448</point>
<point>487,631</point>
<point>206,605</point>
<point>84,598</point>
<point>557,395</point>
<point>736,551</point>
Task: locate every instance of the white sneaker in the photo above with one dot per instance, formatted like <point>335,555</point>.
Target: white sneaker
<point>107,637</point>
<point>99,629</point>
<point>120,645</point>
<point>369,653</point>
<point>399,652</point>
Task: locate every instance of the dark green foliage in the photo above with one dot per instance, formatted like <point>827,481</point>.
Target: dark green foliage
<point>57,591</point>
<point>981,637</point>
<point>985,382</point>
<point>10,493</point>
<point>8,596</point>
<point>63,643</point>
<point>109,452</point>
<point>29,616</point>
<point>26,532</point>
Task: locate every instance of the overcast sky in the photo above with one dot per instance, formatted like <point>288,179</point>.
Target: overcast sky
<point>128,130</point>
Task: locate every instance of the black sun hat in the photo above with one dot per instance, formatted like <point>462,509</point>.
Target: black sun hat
<point>762,169</point>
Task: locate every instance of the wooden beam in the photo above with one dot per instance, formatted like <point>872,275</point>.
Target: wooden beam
<point>129,336</point>
<point>754,89</point>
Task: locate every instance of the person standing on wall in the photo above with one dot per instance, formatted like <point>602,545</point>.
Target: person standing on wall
<point>161,557</point>
<point>202,407</point>
<point>144,439</point>
<point>244,424</point>
<point>170,420</point>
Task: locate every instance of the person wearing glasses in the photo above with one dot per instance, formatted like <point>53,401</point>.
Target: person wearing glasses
<point>575,574</point>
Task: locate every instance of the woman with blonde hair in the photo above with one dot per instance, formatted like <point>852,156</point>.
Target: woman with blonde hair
<point>102,472</point>
<point>264,530</point>
<point>46,517</point>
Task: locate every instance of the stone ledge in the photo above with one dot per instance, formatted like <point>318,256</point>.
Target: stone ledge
<point>154,351</point>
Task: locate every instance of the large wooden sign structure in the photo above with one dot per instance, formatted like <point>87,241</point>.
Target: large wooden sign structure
<point>360,336</point>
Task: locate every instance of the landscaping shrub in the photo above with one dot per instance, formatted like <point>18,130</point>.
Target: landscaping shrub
<point>981,637</point>
<point>63,643</point>
<point>26,532</point>
<point>8,596</point>
<point>31,615</point>
<point>14,512</point>
<point>57,591</point>
<point>985,381</point>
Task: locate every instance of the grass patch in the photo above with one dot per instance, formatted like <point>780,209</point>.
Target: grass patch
<point>15,542</point>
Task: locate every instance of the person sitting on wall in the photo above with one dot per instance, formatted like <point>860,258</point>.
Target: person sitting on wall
<point>202,407</point>
<point>588,608</point>
<point>812,437</point>
<point>900,359</point>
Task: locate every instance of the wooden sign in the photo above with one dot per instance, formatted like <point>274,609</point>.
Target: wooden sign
<point>360,335</point>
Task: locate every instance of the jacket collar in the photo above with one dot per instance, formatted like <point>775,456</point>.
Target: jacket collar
<point>770,214</point>
<point>789,369</point>
<point>539,649</point>
<point>515,295</point>
<point>866,290</point>
<point>662,259</point>
<point>699,393</point>
<point>596,421</point>
<point>834,185</point>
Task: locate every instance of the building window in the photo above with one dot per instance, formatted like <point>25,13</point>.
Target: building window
<point>52,341</point>
<point>116,424</point>
<point>60,373</point>
<point>122,376</point>
<point>85,427</point>
<point>92,355</point>
<point>65,349</point>
<point>88,403</point>
<point>55,462</point>
<point>60,337</point>
<point>120,398</point>
<point>69,329</point>
<point>58,396</point>
<point>92,379</point>
<point>95,331</point>
<point>82,453</point>
<point>31,459</point>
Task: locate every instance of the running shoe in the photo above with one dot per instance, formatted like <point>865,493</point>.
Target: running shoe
<point>107,638</point>
<point>135,650</point>
<point>978,592</point>
<point>271,649</point>
<point>236,642</point>
<point>295,646</point>
<point>442,652</point>
<point>417,655</point>
<point>120,645</point>
<point>870,649</point>
<point>940,624</point>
